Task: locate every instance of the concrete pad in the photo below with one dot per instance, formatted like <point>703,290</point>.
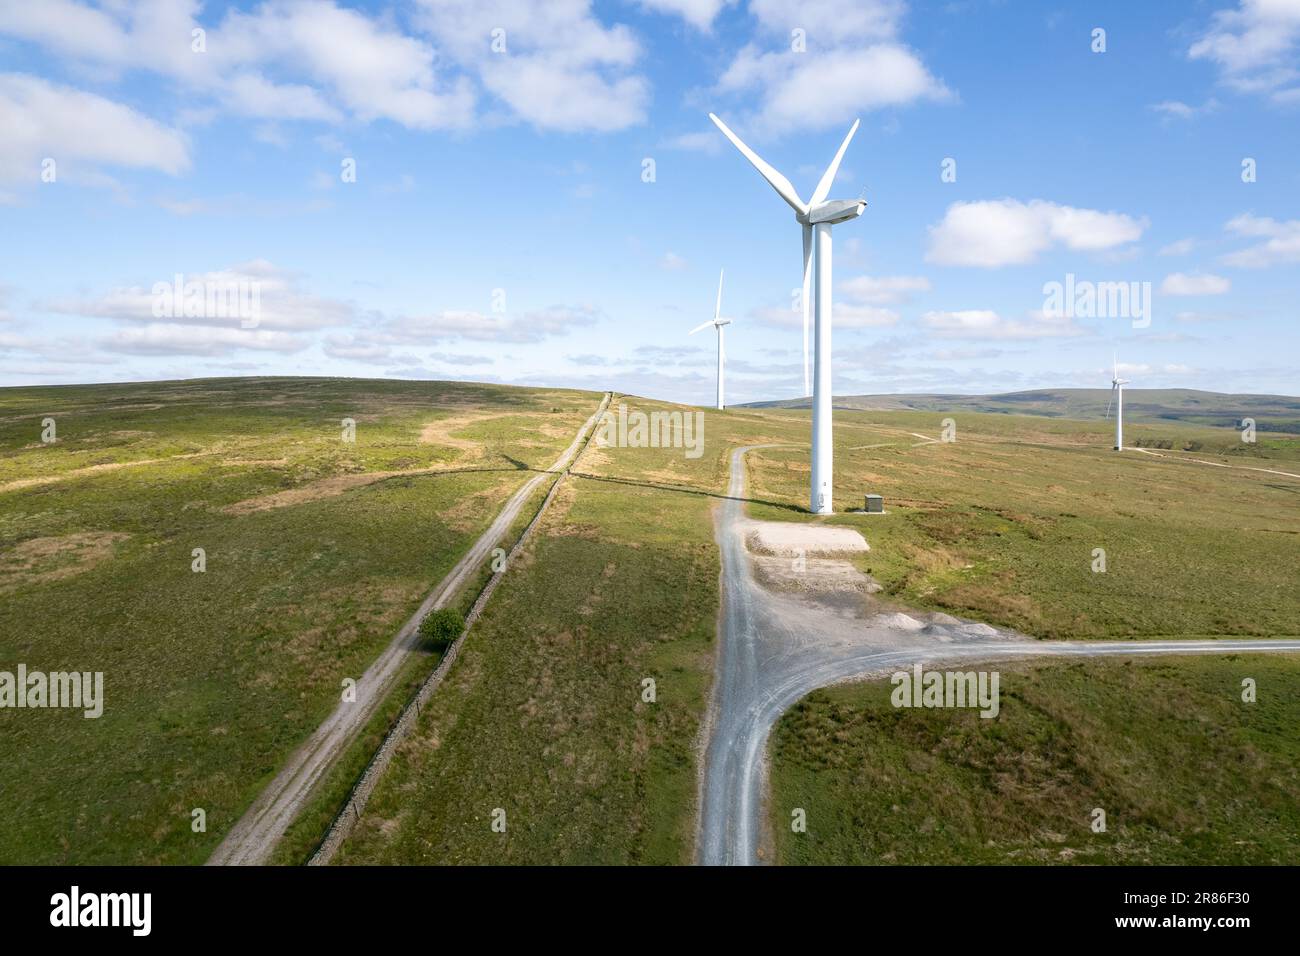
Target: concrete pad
<point>789,538</point>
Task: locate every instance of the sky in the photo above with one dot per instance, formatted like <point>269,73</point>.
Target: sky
<point>533,194</point>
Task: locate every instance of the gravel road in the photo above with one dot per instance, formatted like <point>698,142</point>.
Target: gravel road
<point>774,648</point>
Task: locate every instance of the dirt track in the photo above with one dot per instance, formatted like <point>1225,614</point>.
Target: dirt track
<point>254,836</point>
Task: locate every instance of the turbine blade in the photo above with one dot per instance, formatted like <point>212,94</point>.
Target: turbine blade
<point>717,309</point>
<point>807,291</point>
<point>1112,399</point>
<point>828,177</point>
<point>778,182</point>
<point>700,328</point>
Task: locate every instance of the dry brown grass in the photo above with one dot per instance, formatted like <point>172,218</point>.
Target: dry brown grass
<point>39,560</point>
<point>316,490</point>
<point>441,432</point>
<point>90,470</point>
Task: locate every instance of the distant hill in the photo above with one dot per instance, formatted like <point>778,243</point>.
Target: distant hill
<point>1271,412</point>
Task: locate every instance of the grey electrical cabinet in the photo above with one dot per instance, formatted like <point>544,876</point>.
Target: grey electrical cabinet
<point>875,505</point>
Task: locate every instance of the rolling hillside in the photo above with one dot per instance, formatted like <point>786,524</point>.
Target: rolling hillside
<point>1271,412</point>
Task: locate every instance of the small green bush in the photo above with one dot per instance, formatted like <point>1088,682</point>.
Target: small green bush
<point>439,628</point>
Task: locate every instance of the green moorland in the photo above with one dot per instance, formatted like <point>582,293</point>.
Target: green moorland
<point>1191,406</point>
<point>1185,771</point>
<point>330,797</point>
<point>317,550</point>
<point>1001,524</point>
<point>543,716</point>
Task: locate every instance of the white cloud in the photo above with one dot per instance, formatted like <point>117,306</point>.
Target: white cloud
<point>1254,47</point>
<point>1001,232</point>
<point>698,13</point>
<point>78,131</point>
<point>373,69</point>
<point>987,324</point>
<point>815,91</point>
<point>271,134</point>
<point>1179,283</point>
<point>831,21</point>
<point>341,59</point>
<point>72,29</point>
<point>672,262</point>
<point>355,348</point>
<point>1207,317</point>
<point>848,315</point>
<point>166,338</point>
<point>851,315</point>
<point>1181,110</point>
<point>561,68</point>
<point>456,358</point>
<point>1139,369</point>
<point>883,290</point>
<point>854,63</point>
<point>283,305</point>
<point>1281,241</point>
<point>251,95</point>
<point>28,348</point>
<point>534,326</point>
<point>1180,248</point>
<point>1174,108</point>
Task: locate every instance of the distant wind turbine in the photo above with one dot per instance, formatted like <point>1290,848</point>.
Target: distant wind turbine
<point>818,214</point>
<point>717,322</point>
<point>1117,396</point>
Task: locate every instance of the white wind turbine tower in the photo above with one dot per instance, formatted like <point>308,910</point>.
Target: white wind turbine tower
<point>816,216</point>
<point>1117,396</point>
<point>717,322</point>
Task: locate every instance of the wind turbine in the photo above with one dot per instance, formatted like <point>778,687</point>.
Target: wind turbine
<point>816,216</point>
<point>717,322</point>
<point>1117,396</point>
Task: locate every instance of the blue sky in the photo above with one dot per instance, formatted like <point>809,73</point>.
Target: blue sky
<point>500,226</point>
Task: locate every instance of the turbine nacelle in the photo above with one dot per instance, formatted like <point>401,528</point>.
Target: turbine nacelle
<point>834,211</point>
<point>711,324</point>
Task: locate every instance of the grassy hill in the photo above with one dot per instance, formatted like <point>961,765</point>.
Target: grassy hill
<point>1271,412</point>
<point>1186,772</point>
<point>1001,523</point>
<point>620,584</point>
<point>318,548</point>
